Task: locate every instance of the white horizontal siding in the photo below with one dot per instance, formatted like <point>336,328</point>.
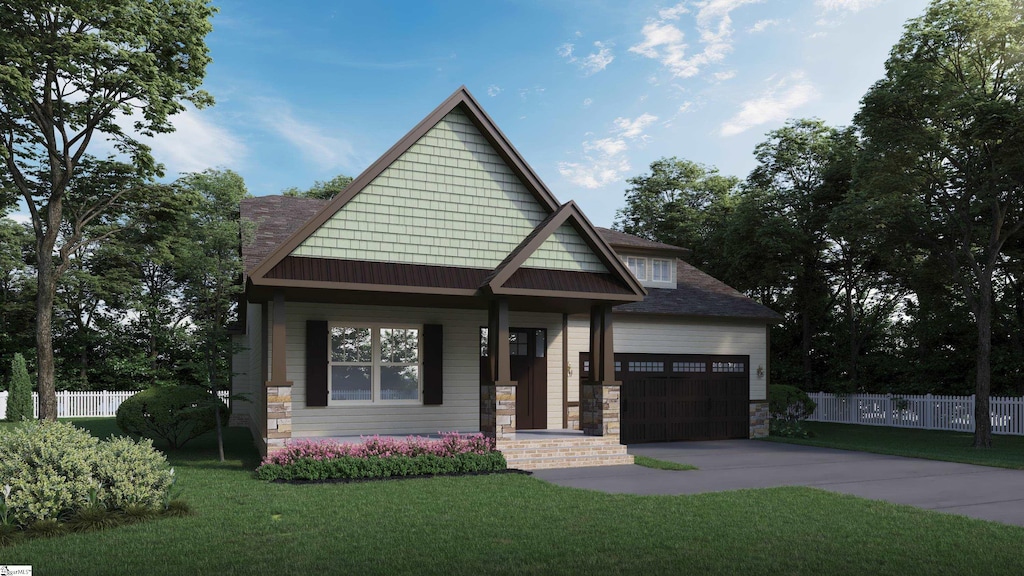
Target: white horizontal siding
<point>639,334</point>
<point>461,408</point>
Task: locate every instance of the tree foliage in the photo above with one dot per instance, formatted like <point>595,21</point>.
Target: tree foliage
<point>74,71</point>
<point>321,190</point>
<point>944,140</point>
<point>19,398</point>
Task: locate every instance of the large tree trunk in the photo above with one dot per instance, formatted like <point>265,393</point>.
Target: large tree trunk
<point>46,284</point>
<point>983,377</point>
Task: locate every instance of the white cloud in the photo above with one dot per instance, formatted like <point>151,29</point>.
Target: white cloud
<point>846,5</point>
<point>664,42</point>
<point>196,144</point>
<point>311,139</point>
<point>591,63</point>
<point>634,128</point>
<point>762,25</point>
<point>493,90</point>
<point>587,102</point>
<point>775,104</point>
<point>685,107</point>
<point>20,217</point>
<point>604,160</point>
<point>726,75</point>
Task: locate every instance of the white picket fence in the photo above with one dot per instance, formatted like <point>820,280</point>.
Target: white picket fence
<point>76,404</point>
<point>926,412</point>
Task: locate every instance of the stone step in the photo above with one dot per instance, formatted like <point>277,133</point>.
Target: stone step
<point>568,452</point>
<point>548,462</point>
<point>558,442</point>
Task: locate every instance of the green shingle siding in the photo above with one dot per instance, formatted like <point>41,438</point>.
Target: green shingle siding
<point>449,200</point>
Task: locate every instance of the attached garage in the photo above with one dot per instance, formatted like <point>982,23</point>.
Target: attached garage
<point>692,356</point>
<point>671,397</point>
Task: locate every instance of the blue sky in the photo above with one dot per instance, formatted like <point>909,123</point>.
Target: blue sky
<point>589,92</point>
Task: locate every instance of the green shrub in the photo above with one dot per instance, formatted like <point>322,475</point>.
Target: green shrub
<point>19,400</point>
<point>788,407</point>
<point>132,474</point>
<point>49,467</point>
<point>355,467</point>
<point>54,471</point>
<point>173,415</point>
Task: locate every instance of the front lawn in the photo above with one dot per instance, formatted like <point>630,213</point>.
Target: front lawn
<point>513,524</point>
<point>1006,451</point>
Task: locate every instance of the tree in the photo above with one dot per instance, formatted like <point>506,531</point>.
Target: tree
<point>322,190</point>
<point>71,70</point>
<point>210,269</point>
<point>778,240</point>
<point>19,401</point>
<point>944,135</point>
<point>680,203</point>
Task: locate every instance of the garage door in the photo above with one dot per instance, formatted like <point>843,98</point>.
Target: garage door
<point>669,397</point>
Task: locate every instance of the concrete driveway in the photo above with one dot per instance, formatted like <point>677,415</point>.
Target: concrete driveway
<point>976,491</point>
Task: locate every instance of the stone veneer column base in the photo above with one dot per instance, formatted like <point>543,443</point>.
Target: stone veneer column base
<point>497,411</point>
<point>759,419</point>
<point>573,414</point>
<point>279,416</point>
<point>599,409</point>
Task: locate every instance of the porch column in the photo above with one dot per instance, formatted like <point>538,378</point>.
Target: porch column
<point>498,394</point>
<point>279,389</point>
<point>599,397</point>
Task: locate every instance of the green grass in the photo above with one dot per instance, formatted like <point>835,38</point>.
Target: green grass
<point>514,524</point>
<point>1006,451</point>
<point>648,462</point>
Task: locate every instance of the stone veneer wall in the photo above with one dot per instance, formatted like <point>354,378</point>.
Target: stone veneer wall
<point>279,417</point>
<point>497,411</point>
<point>758,419</point>
<point>599,409</point>
<point>573,413</point>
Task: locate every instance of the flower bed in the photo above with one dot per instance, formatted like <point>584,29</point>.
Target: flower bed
<point>376,457</point>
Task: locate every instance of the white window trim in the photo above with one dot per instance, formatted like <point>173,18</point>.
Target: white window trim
<point>668,265</point>
<point>638,259</point>
<point>375,364</point>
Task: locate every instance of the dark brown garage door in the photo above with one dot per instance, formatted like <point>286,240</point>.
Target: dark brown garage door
<point>669,397</point>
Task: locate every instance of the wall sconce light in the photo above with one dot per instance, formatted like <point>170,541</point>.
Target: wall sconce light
<point>570,369</point>
<point>760,371</point>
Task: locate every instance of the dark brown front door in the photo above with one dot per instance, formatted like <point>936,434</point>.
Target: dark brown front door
<point>528,367</point>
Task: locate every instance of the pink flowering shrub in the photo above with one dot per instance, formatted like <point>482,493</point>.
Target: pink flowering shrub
<point>382,457</point>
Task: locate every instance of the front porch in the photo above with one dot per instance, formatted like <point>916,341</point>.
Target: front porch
<point>543,449</point>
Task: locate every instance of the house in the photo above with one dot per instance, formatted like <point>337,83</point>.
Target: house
<point>447,289</point>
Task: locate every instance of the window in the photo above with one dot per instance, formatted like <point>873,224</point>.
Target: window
<point>689,366</point>
<point>374,363</point>
<point>728,367</point>
<point>646,366</point>
<point>638,266</point>
<point>661,270</point>
<point>586,366</point>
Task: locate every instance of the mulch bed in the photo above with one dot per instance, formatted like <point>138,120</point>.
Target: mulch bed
<point>417,476</point>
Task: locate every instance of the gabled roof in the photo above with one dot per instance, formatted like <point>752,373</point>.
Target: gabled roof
<point>274,218</point>
<point>498,281</point>
<point>461,98</point>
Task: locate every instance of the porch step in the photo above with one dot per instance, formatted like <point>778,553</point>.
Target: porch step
<point>548,462</point>
<point>538,453</point>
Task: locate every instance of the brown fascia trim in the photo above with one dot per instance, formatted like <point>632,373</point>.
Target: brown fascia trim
<point>604,297</point>
<point>479,118</point>
<point>527,247</point>
<point>730,319</point>
<point>354,286</point>
<point>604,251</point>
<point>568,212</point>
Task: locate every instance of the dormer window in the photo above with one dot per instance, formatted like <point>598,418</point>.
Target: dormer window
<point>661,270</point>
<point>638,266</point>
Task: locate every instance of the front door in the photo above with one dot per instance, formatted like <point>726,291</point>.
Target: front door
<point>529,370</point>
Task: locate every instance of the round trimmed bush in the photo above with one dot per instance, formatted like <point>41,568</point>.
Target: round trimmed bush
<point>788,407</point>
<point>55,471</point>
<point>172,414</point>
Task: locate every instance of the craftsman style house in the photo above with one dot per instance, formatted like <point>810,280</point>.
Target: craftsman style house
<point>447,289</point>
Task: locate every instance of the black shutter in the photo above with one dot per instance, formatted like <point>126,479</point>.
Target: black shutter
<point>433,364</point>
<point>316,363</point>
